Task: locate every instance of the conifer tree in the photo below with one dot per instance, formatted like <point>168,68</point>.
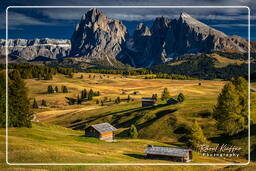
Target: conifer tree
<point>196,137</point>
<point>19,106</point>
<point>84,94</point>
<point>64,89</point>
<point>35,105</point>
<point>56,89</point>
<point>181,97</point>
<point>133,131</point>
<point>50,89</point>
<point>2,99</point>
<point>90,94</point>
<point>231,110</point>
<point>129,98</point>
<point>165,94</point>
<point>44,103</point>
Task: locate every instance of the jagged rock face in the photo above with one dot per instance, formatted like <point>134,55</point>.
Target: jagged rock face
<point>148,43</point>
<point>34,48</point>
<point>169,39</point>
<point>97,36</point>
<point>188,35</point>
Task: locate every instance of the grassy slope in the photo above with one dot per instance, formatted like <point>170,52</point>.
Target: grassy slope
<point>163,123</point>
<point>53,143</point>
<point>158,122</point>
<point>50,143</point>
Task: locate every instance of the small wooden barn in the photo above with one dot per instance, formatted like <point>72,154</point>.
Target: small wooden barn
<point>103,131</point>
<point>172,101</point>
<point>148,101</point>
<point>169,153</point>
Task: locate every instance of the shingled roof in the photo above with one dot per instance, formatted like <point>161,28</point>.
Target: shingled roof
<point>148,99</point>
<point>103,127</point>
<point>166,151</point>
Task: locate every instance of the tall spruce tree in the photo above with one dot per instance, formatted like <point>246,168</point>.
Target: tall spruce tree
<point>64,89</point>
<point>18,102</point>
<point>196,137</point>
<point>84,94</point>
<point>35,105</point>
<point>50,89</point>
<point>90,94</point>
<point>231,110</point>
<point>181,97</point>
<point>133,131</point>
<point>2,99</point>
<point>165,94</point>
<point>43,103</point>
<point>56,89</point>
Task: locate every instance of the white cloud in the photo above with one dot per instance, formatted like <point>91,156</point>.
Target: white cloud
<point>17,19</point>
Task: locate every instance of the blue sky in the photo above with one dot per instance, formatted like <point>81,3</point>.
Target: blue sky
<point>60,23</point>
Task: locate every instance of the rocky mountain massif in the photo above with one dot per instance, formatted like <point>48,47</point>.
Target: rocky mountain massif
<point>36,49</point>
<point>99,38</point>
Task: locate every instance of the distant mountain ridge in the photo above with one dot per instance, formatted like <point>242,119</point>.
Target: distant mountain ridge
<point>30,49</point>
<point>99,38</point>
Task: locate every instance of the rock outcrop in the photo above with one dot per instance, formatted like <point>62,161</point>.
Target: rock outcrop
<point>97,36</point>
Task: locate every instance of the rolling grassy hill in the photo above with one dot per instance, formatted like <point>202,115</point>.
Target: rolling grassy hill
<point>160,125</point>
<point>51,143</point>
<point>165,122</point>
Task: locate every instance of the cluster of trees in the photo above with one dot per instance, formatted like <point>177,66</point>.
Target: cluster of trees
<point>84,95</point>
<point>117,100</point>
<point>51,90</point>
<point>19,113</point>
<point>170,76</point>
<point>119,71</point>
<point>231,110</point>
<point>41,72</point>
<point>89,95</point>
<point>203,67</point>
<point>35,105</point>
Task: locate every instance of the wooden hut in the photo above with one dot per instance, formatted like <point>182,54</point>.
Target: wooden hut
<point>169,153</point>
<point>103,131</point>
<point>148,101</point>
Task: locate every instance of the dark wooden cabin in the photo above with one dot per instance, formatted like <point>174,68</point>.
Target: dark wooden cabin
<point>169,153</point>
<point>103,131</point>
<point>148,101</point>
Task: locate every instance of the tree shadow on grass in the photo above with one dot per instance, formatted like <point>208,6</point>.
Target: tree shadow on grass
<point>137,156</point>
<point>127,112</point>
<point>159,115</point>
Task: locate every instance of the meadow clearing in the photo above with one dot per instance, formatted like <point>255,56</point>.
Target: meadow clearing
<point>52,140</point>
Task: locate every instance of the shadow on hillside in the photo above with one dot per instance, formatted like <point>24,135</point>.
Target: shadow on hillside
<point>159,115</point>
<point>137,156</point>
<point>224,138</point>
<point>82,125</point>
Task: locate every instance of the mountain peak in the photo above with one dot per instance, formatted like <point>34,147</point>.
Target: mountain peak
<point>184,15</point>
<point>160,24</point>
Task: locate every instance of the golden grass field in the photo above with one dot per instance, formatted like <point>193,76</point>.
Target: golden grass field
<point>49,141</point>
